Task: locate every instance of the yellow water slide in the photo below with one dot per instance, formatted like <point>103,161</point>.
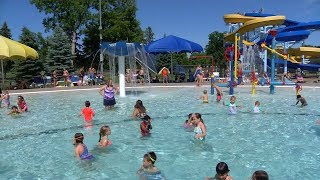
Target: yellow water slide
<point>250,23</point>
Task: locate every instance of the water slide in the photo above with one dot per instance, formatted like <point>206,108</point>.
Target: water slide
<point>250,23</point>
<point>294,31</point>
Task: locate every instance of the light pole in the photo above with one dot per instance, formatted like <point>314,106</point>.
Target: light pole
<point>100,30</point>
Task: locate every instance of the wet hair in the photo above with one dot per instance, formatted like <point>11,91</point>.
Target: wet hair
<point>298,96</point>
<point>14,107</point>
<point>20,97</point>
<point>205,92</point>
<point>87,103</point>
<point>189,115</point>
<point>233,97</point>
<point>139,105</point>
<point>222,168</point>
<point>260,175</point>
<point>198,116</point>
<point>78,138</point>
<point>103,131</point>
<point>151,157</point>
<point>256,103</point>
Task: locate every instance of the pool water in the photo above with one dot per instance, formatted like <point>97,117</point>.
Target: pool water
<point>284,140</point>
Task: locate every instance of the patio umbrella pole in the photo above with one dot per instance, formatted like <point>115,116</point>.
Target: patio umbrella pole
<point>2,84</point>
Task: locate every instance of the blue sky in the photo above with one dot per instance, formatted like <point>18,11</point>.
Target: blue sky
<point>190,19</point>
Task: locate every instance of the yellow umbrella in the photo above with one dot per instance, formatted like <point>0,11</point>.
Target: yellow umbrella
<point>13,50</point>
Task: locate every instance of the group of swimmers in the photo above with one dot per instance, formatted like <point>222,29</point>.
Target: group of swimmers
<point>15,109</point>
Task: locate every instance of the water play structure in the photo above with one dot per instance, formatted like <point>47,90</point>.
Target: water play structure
<point>254,34</point>
<point>135,54</point>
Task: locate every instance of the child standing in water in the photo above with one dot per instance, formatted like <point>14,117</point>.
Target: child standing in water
<point>145,125</point>
<point>200,129</point>
<point>87,112</point>
<point>256,108</point>
<point>204,97</point>
<point>6,98</point>
<point>80,149</point>
<point>148,170</point>
<point>104,141</point>
<point>232,105</point>
<point>222,170</point>
<point>302,100</point>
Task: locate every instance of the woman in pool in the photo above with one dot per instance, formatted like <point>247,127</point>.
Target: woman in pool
<point>200,128</point>
<point>139,110</point>
<point>104,141</point>
<point>108,92</point>
<point>222,172</point>
<point>148,170</point>
<point>22,104</point>
<point>80,149</point>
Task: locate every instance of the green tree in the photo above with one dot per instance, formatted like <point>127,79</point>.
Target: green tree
<point>58,54</point>
<point>70,15</point>
<point>27,69</point>
<point>119,23</point>
<point>216,49</point>
<point>6,32</point>
<point>148,35</point>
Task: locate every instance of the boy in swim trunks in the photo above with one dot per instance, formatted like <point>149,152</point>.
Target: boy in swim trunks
<point>87,112</point>
<point>204,97</point>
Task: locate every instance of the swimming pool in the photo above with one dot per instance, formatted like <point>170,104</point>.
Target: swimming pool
<point>284,141</point>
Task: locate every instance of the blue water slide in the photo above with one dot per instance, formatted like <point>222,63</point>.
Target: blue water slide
<point>308,67</point>
<point>287,36</point>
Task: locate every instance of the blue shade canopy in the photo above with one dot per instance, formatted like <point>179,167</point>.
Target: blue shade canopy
<point>173,44</point>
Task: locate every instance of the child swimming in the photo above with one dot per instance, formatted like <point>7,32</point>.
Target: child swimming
<point>145,125</point>
<point>222,171</point>
<point>80,149</point>
<point>14,111</point>
<point>148,170</point>
<point>104,141</point>
<point>87,112</point>
<point>302,100</point>
<point>188,123</point>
